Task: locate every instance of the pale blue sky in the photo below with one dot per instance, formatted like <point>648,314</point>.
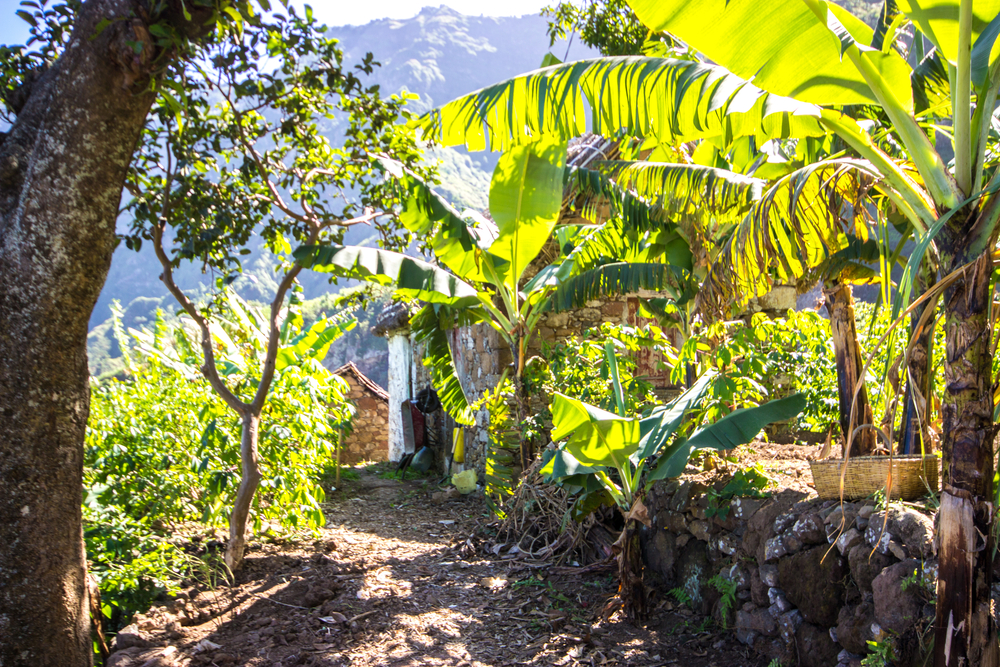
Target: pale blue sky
<point>332,12</point>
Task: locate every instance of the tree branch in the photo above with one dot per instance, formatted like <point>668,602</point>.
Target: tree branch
<point>208,369</point>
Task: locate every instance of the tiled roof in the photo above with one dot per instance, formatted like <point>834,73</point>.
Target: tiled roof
<point>363,379</point>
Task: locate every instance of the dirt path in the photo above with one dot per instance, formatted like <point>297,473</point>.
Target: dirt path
<point>396,579</point>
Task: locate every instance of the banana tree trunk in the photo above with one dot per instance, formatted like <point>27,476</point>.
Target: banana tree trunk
<point>631,590</point>
<point>248,487</point>
<point>920,379</point>
<point>965,630</point>
<point>840,305</point>
<point>521,405</point>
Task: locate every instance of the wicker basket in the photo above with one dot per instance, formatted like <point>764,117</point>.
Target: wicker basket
<point>911,476</point>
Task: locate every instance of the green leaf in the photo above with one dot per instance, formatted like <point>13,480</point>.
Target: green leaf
<point>984,50</point>
<point>671,100</point>
<point>429,329</point>
<point>562,464</point>
<point>616,384</point>
<point>737,428</point>
<point>317,340</point>
<point>938,21</point>
<point>525,200</point>
<point>459,240</point>
<point>664,421</point>
<point>410,277</point>
<point>596,437</point>
<point>614,279</point>
<point>793,48</point>
<point>548,60</point>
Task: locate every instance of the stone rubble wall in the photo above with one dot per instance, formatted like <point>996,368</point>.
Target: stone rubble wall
<point>815,580</point>
<point>370,439</point>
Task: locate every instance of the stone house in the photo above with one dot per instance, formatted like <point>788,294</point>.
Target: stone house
<point>369,440</point>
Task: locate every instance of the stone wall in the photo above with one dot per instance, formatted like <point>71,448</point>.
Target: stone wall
<point>815,580</point>
<point>369,440</point>
<point>480,363</point>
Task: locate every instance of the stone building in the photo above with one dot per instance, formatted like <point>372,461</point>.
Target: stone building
<point>370,439</point>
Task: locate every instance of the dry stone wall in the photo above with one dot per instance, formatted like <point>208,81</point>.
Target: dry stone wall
<point>814,580</point>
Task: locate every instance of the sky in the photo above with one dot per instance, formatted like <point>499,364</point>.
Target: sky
<point>331,12</point>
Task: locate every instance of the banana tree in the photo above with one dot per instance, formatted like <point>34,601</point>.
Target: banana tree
<point>811,65</point>
<point>616,449</point>
<point>818,53</point>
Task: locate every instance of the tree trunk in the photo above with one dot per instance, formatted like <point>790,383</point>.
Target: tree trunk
<point>965,632</point>
<point>62,169</point>
<point>631,590</point>
<point>840,305</point>
<point>521,407</point>
<point>248,487</point>
<point>920,380</point>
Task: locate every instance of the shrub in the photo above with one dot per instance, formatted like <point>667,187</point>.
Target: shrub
<point>162,462</point>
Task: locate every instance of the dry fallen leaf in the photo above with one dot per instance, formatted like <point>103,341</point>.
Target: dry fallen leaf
<point>493,583</point>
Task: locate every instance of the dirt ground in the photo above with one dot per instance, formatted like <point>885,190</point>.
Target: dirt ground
<point>399,579</point>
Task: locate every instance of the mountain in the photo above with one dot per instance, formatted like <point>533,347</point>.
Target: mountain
<point>439,54</point>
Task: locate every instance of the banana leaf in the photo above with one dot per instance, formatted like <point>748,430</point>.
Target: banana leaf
<point>737,428</point>
<point>410,276</point>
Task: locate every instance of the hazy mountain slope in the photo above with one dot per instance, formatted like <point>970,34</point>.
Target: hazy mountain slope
<point>439,54</point>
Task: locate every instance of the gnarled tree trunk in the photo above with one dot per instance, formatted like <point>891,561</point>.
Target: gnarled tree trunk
<point>840,306</point>
<point>965,631</point>
<point>249,482</point>
<point>62,169</point>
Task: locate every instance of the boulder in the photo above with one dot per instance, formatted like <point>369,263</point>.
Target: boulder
<point>814,646</point>
<point>854,627</point>
<point>138,657</point>
<point>813,581</point>
<point>693,572</point>
<point>848,540</point>
<point>809,530</point>
<point>760,527</point>
<point>131,637</point>
<point>758,589</point>
<point>865,565</point>
<point>897,605</point>
<point>757,620</point>
<point>660,554</point>
<point>911,529</point>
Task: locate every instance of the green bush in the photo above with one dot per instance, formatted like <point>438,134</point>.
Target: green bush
<point>162,461</point>
<point>772,357</point>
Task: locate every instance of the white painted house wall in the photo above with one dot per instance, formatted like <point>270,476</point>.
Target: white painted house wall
<point>400,386</point>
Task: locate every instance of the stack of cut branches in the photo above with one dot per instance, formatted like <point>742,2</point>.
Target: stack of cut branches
<point>538,520</point>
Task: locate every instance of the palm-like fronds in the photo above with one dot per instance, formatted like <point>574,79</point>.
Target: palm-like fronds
<point>616,279</point>
<point>801,221</point>
<point>669,99</point>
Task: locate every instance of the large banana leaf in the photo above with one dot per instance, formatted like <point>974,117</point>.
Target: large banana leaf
<point>668,99</point>
<point>596,437</point>
<point>643,194</point>
<point>616,279</point>
<point>457,239</point>
<point>525,200</point>
<point>410,277</point>
<point>430,326</point>
<point>663,421</point>
<point>794,48</point>
<point>938,21</point>
<point>737,428</point>
<point>801,221</point>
